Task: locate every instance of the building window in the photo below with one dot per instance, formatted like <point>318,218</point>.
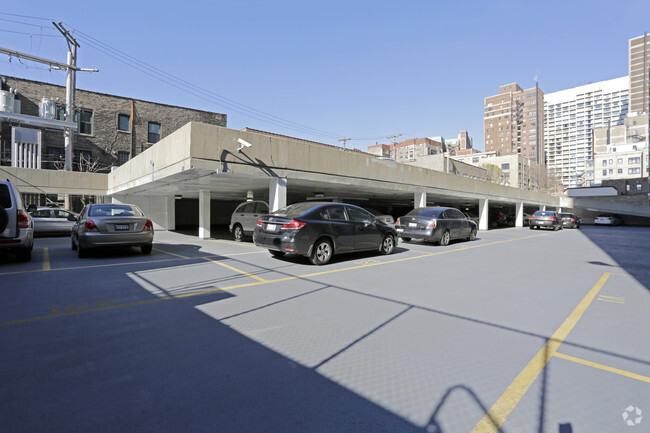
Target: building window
<point>638,187</point>
<point>84,120</point>
<point>604,163</point>
<point>122,157</point>
<point>604,172</point>
<point>627,187</point>
<point>154,132</point>
<point>123,122</point>
<point>620,171</point>
<point>636,160</point>
<point>620,160</point>
<point>634,171</point>
<point>505,166</point>
<point>82,116</point>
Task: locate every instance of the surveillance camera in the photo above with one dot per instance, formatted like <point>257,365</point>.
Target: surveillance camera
<point>243,143</point>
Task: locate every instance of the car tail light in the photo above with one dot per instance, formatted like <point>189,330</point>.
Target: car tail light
<point>573,220</point>
<point>531,217</point>
<point>397,222</point>
<point>552,218</point>
<point>292,226</point>
<point>148,226</point>
<point>22,219</point>
<point>90,226</point>
<point>259,222</point>
<point>432,224</point>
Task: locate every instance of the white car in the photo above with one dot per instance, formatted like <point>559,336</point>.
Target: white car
<point>244,219</point>
<point>608,219</point>
<point>53,220</point>
<point>16,225</point>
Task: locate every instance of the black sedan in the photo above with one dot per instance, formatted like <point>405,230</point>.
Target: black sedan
<point>545,218</point>
<point>569,220</point>
<point>319,230</point>
<point>436,224</point>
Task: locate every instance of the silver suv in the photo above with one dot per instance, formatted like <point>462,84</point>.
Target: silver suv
<point>244,218</point>
<point>16,225</point>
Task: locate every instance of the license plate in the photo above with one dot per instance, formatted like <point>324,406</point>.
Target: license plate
<point>271,227</point>
<point>121,226</point>
<point>413,224</point>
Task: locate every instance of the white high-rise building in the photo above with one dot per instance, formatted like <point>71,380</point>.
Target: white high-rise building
<point>570,118</point>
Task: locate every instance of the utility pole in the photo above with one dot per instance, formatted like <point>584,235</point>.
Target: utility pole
<point>344,140</point>
<point>70,85</point>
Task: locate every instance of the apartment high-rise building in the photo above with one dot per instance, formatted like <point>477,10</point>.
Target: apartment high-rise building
<point>513,122</point>
<point>409,150</point>
<point>570,117</point>
<point>639,67</point>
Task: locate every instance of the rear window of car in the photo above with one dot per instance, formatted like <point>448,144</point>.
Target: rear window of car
<point>295,209</point>
<point>425,212</point>
<point>544,213</point>
<point>113,210</point>
<point>565,215</point>
<point>5,197</point>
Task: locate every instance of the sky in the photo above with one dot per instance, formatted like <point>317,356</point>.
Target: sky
<point>325,71</point>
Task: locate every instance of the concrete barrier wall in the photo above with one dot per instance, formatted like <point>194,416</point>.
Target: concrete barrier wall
<point>30,180</point>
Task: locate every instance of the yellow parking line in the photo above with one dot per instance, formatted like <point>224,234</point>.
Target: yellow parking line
<point>501,409</point>
<point>171,254</point>
<point>260,281</point>
<point>46,259</point>
<point>232,268</point>
<point>603,367</point>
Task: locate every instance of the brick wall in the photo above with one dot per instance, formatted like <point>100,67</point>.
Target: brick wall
<point>106,140</point>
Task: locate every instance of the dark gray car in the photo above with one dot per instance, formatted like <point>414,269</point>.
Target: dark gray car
<point>436,224</point>
<point>545,218</point>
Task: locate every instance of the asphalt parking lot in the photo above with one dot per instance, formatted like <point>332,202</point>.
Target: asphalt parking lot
<point>522,330</point>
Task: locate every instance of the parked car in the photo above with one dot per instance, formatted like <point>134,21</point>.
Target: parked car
<point>319,230</point>
<point>16,225</point>
<point>108,225</point>
<point>473,217</point>
<point>569,220</point>
<point>49,220</point>
<point>608,219</point>
<point>387,219</point>
<point>512,219</point>
<point>436,224</point>
<point>244,219</point>
<point>545,218</point>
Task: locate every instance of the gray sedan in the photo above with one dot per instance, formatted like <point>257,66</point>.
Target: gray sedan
<point>108,225</point>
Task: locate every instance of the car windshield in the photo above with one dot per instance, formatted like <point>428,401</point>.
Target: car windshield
<point>295,209</point>
<point>425,212</point>
<point>113,210</point>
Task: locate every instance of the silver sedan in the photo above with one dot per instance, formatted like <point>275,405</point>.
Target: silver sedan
<point>108,225</point>
<point>53,220</point>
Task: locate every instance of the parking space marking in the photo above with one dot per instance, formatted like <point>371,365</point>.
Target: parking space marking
<point>259,281</point>
<point>232,268</point>
<point>613,299</point>
<point>506,403</point>
<point>171,254</point>
<point>46,259</point>
<point>239,244</point>
<point>603,367</point>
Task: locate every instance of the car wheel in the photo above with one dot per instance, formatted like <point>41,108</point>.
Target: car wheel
<point>238,233</point>
<point>531,227</point>
<point>322,252</point>
<point>24,254</point>
<point>73,245</point>
<point>387,245</point>
<point>4,219</point>
<point>276,253</point>
<point>472,235</point>
<point>406,239</point>
<point>146,249</point>
<point>446,237</point>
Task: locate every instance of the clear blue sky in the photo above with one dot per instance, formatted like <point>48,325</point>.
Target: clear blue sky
<point>328,70</point>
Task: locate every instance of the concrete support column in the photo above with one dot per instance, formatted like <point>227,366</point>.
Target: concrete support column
<point>483,210</point>
<point>419,199</point>
<point>170,210</point>
<point>542,207</point>
<point>204,214</point>
<point>519,222</point>
<point>277,193</point>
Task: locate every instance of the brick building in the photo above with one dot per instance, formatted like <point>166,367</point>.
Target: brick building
<point>110,129</point>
